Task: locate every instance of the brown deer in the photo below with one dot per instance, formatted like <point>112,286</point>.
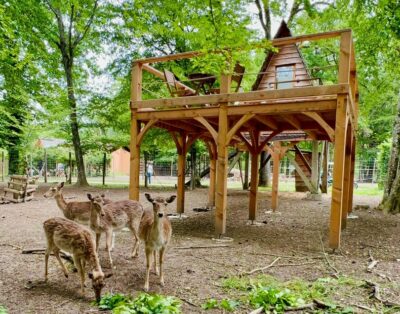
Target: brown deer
<point>69,236</point>
<point>115,216</point>
<point>156,230</point>
<point>77,211</point>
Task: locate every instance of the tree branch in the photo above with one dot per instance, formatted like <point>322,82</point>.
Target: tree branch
<point>80,37</point>
<point>71,21</point>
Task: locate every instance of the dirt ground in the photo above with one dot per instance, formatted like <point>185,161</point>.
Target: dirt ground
<point>194,275</point>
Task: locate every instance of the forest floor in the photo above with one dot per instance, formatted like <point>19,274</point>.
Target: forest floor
<point>295,238</point>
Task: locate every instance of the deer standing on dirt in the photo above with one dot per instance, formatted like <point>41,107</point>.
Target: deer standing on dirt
<point>115,216</point>
<point>156,231</point>
<point>69,236</point>
<point>77,211</point>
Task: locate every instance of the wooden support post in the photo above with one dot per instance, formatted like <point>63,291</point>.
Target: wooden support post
<point>352,164</point>
<point>104,167</point>
<point>314,164</point>
<point>275,175</point>
<point>338,171</point>
<point>182,150</point>
<point>254,185</point>
<point>325,163</point>
<point>346,176</point>
<point>45,166</point>
<point>136,94</point>
<point>211,189</point>
<point>222,163</point>
<point>246,171</point>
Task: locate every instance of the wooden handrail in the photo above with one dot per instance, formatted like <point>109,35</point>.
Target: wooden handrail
<point>248,96</point>
<point>275,42</point>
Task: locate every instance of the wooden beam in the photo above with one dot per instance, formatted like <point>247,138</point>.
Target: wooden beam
<point>309,37</point>
<point>212,151</point>
<point>275,175</point>
<point>161,75</point>
<point>317,117</point>
<point>268,121</point>
<point>296,123</point>
<point>324,179</point>
<point>338,172</point>
<point>346,176</point>
<point>260,95</point>
<point>314,166</point>
<point>261,146</point>
<point>352,166</point>
<point>344,57</point>
<point>318,106</point>
<point>143,131</point>
<point>222,162</point>
<point>237,125</point>
<point>254,185</point>
<point>208,126</point>
<point>134,164</point>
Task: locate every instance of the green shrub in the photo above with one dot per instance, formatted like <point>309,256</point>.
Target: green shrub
<point>3,310</point>
<point>143,304</point>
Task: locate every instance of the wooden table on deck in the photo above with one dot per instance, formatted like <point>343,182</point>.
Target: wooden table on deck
<point>202,82</point>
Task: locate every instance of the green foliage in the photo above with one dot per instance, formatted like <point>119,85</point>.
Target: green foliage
<point>271,298</point>
<point>225,304</point>
<point>384,150</point>
<point>3,310</point>
<point>143,304</point>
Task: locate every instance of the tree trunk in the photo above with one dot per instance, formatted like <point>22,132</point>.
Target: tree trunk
<point>263,170</point>
<point>76,141</point>
<point>391,198</point>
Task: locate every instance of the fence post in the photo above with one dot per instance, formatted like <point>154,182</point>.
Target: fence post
<point>45,166</point>
<point>104,168</point>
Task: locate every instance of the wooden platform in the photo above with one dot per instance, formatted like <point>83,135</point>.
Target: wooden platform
<point>251,120</point>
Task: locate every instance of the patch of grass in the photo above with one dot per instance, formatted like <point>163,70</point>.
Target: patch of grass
<point>144,303</point>
<point>3,310</point>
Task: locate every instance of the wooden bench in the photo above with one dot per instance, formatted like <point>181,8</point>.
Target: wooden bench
<point>19,189</point>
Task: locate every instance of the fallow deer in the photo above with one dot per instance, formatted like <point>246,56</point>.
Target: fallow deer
<point>156,231</point>
<point>69,236</point>
<point>77,211</point>
<point>115,216</point>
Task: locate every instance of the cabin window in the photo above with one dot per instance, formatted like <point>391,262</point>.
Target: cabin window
<point>285,74</point>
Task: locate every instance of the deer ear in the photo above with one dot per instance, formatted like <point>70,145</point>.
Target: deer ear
<point>90,197</point>
<point>61,185</point>
<point>90,275</point>
<point>171,199</point>
<point>148,197</point>
<point>103,195</point>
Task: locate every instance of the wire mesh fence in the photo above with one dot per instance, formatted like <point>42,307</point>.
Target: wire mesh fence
<point>113,169</point>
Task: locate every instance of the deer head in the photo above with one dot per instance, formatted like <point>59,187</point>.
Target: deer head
<point>52,191</point>
<point>98,283</point>
<point>97,203</point>
<point>160,204</point>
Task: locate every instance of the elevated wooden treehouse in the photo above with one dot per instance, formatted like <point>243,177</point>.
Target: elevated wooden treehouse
<point>286,105</point>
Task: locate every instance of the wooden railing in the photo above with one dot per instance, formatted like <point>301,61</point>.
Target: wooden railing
<point>347,79</point>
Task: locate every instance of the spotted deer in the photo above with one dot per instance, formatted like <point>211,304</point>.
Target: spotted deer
<point>77,211</point>
<point>115,216</point>
<point>71,237</point>
<point>156,231</point>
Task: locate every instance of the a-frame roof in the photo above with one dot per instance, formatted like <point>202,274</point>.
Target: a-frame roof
<point>282,32</point>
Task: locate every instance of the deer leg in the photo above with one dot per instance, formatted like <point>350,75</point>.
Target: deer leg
<point>78,264</point>
<point>83,263</point>
<point>57,255</point>
<point>46,264</point>
<point>162,251</point>
<point>155,263</point>
<point>113,241</point>
<point>109,234</point>
<point>135,251</point>
<point>148,262</point>
<point>98,235</point>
